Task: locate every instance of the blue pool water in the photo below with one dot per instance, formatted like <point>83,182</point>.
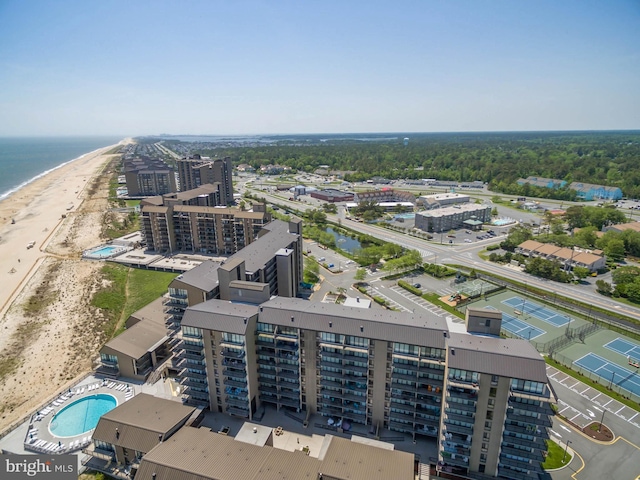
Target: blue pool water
<point>104,251</point>
<point>503,221</point>
<point>82,415</point>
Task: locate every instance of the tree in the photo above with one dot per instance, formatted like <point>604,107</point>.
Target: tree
<point>494,211</point>
<point>603,287</point>
<point>581,272</point>
<point>615,249</point>
<point>360,275</point>
<point>311,270</point>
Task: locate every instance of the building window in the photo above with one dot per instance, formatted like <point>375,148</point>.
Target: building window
<point>494,379</point>
<point>493,392</point>
<point>487,425</point>
<point>483,457</point>
<point>486,436</point>
<point>481,468</point>
<point>489,414</point>
<point>485,446</point>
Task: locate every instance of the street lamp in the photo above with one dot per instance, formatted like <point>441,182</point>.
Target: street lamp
<point>566,445</point>
<point>601,420</point>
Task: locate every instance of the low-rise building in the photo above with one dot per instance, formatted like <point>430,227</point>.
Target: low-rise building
<point>438,200</point>
<point>568,257</point>
<point>332,195</point>
<point>452,218</point>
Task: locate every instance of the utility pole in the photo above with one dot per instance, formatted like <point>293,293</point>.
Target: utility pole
<point>601,420</point>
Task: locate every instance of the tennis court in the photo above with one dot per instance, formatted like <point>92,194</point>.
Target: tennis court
<point>518,327</point>
<point>535,310</point>
<point>624,347</point>
<point>610,372</point>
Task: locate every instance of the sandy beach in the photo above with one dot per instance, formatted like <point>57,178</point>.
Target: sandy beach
<point>61,214</point>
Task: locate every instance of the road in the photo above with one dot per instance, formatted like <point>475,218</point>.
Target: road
<point>465,254</point>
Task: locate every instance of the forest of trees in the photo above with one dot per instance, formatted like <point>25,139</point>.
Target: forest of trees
<point>605,158</point>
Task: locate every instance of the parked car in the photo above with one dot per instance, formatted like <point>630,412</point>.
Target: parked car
<point>416,285</point>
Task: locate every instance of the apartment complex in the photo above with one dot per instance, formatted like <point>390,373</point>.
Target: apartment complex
<point>146,176</point>
<point>485,400</point>
<point>197,170</point>
<point>466,215</point>
<point>191,222</point>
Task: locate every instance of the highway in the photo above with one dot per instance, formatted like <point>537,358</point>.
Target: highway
<point>464,254</point>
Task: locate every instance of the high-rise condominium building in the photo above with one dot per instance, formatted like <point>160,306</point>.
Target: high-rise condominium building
<point>197,170</point>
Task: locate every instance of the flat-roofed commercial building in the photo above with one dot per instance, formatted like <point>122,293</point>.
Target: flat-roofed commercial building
<point>451,218</point>
<point>485,400</point>
<point>438,200</point>
<point>332,195</point>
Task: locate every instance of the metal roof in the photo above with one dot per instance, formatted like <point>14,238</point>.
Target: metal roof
<point>138,423</point>
<point>273,236</point>
<point>415,329</point>
<point>153,312</point>
<point>199,454</point>
<point>141,338</point>
<point>219,315</point>
<point>346,459</point>
<point>504,357</point>
<point>203,277</point>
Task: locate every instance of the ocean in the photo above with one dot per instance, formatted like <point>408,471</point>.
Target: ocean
<point>23,159</point>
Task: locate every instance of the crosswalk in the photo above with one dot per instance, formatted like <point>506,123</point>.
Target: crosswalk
<point>421,302</point>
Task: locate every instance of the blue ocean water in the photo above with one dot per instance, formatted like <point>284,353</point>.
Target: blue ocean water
<point>23,159</point>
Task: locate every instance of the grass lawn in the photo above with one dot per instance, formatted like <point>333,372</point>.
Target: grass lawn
<point>128,290</point>
<point>555,455</point>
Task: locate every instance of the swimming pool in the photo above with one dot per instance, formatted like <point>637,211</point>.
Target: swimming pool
<point>503,221</point>
<point>82,415</point>
<point>105,251</point>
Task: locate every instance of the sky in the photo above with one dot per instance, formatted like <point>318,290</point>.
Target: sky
<point>249,67</point>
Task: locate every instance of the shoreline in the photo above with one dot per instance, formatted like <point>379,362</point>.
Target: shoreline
<point>32,207</point>
<point>50,332</point>
<point>7,195</point>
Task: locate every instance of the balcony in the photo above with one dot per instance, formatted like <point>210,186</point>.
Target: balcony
<point>355,386</point>
<point>190,355</point>
<point>515,475</point>
<point>325,364</point>
<point>458,429</point>
<point>536,455</point>
<point>325,354</point>
<point>459,417</point>
<point>235,373</point>
<point>401,427</point>
<point>191,382</point>
<point>238,412</point>
<point>428,418</point>
<point>239,343</point>
<point>269,362</point>
<point>289,402</point>
<point>543,421</point>
<point>191,392</point>
<point>287,346</point>
<point>331,410</point>
<point>288,374</point>
<point>525,464</point>
<point>454,459</point>
<point>403,376</point>
<point>267,380</point>
<point>467,385</point>
<point>233,353</point>
<point>462,406</point>
<point>272,389</point>
<point>536,443</point>
<point>269,398</point>
<point>325,382</point>
<point>540,432</point>
<point>234,382</point>
<point>237,402</point>
<point>355,368</point>
<point>402,416</point>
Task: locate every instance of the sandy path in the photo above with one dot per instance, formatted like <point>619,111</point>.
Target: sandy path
<point>41,353</point>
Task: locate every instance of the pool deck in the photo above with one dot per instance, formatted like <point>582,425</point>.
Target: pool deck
<point>33,436</point>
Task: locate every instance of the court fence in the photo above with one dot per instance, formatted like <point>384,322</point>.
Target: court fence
<point>594,377</point>
<point>610,322</point>
<point>569,337</point>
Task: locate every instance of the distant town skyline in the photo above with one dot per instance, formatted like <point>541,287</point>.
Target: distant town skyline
<point>256,67</point>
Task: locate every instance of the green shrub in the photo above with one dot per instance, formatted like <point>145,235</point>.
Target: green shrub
<point>410,288</point>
